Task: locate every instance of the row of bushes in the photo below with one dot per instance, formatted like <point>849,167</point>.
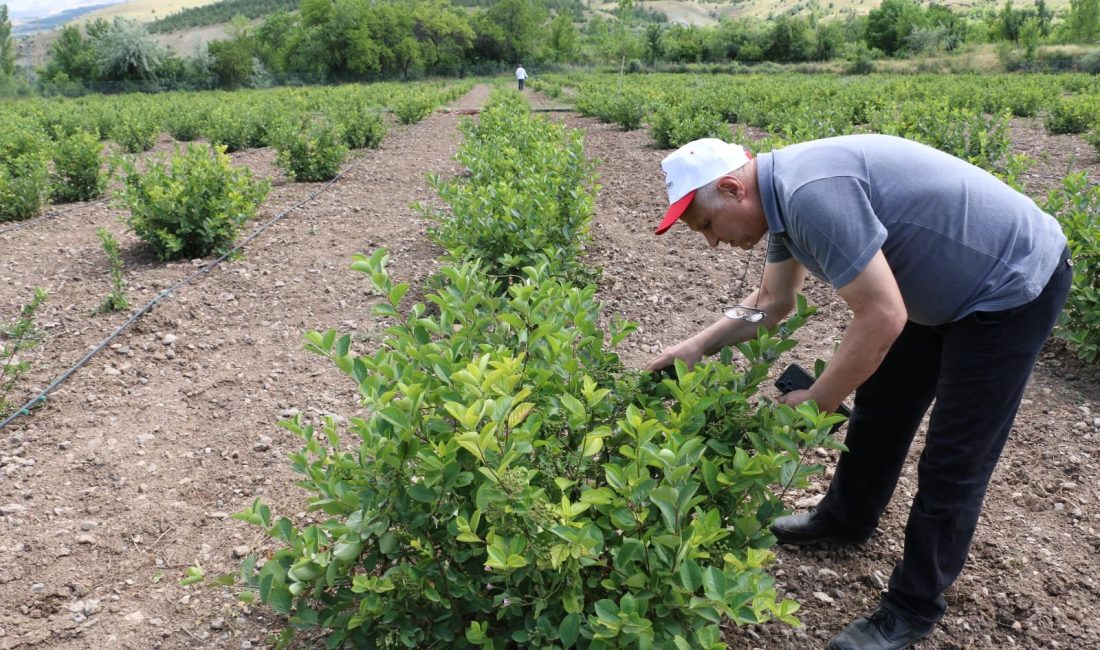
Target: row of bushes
<point>312,129</point>
<point>1076,205</point>
<point>528,197</point>
<point>513,485</point>
<point>967,116</point>
<point>34,170</point>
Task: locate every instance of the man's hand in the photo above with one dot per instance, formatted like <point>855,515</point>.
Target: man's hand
<point>796,397</point>
<point>687,351</point>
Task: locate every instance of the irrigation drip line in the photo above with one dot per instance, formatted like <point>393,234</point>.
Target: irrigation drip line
<point>50,215</point>
<point>41,397</point>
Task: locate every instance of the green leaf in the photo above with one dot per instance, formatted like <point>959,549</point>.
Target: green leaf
<point>665,498</point>
<point>569,629</point>
<point>691,575</point>
<point>388,543</point>
<point>397,292</point>
<point>279,598</point>
<point>577,415</point>
<point>423,493</point>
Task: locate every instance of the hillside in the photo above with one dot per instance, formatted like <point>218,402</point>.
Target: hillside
<point>185,41</point>
<point>709,13</point>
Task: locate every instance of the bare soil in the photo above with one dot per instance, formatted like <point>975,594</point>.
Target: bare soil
<point>127,475</point>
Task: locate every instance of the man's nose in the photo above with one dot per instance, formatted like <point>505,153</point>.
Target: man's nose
<point>712,239</point>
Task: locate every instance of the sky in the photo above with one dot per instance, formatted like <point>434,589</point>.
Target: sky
<point>44,8</point>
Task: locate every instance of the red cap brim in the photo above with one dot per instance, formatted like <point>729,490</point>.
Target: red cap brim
<point>675,211</point>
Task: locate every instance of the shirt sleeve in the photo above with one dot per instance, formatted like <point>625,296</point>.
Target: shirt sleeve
<point>832,221</point>
<point>777,249</point>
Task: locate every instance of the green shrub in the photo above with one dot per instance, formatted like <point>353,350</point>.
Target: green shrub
<point>16,338</point>
<point>24,170</point>
<point>78,173</point>
<point>185,125</point>
<point>972,135</point>
<point>1076,205</point>
<point>60,120</point>
<point>678,124</point>
<point>192,207</point>
<point>528,196</point>
<point>623,107</point>
<point>514,487</point>
<point>412,106</point>
<point>1093,138</point>
<point>311,150</point>
<point>116,298</point>
<point>1090,62</point>
<point>860,58</point>
<point>1072,114</point>
<point>136,128</point>
<point>235,127</point>
<point>364,128</point>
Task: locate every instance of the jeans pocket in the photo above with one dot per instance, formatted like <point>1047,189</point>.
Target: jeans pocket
<point>993,317</point>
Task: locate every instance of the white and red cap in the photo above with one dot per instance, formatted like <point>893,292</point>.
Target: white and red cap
<point>694,165</point>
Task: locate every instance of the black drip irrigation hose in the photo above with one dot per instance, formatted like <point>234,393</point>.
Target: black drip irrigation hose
<point>41,397</point>
<point>50,215</point>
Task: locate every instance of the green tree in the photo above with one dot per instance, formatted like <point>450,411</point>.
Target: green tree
<point>231,61</point>
<point>564,40</point>
<point>1083,21</point>
<point>1009,22</point>
<point>126,51</point>
<point>653,48</point>
<point>828,40</point>
<point>626,10</point>
<point>1045,17</point>
<point>509,30</point>
<point>7,56</point>
<point>890,24</point>
<point>271,39</point>
<point>442,35</point>
<point>733,35</point>
<point>316,13</point>
<point>791,39</point>
<point>683,44</point>
<point>71,57</point>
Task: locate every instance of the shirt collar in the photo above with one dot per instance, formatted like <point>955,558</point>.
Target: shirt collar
<point>765,165</point>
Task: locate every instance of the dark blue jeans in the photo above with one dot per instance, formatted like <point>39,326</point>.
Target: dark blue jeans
<point>976,369</point>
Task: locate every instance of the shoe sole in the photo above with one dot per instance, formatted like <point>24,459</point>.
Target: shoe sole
<point>833,646</point>
<point>821,541</point>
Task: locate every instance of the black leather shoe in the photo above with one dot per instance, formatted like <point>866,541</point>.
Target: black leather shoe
<point>808,528</point>
<point>882,629</point>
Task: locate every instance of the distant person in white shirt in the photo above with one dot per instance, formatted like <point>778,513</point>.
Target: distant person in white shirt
<point>521,76</point>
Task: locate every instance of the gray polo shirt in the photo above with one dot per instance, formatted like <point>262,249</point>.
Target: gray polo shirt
<point>957,239</point>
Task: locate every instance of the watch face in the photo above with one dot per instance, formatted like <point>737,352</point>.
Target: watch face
<point>749,314</point>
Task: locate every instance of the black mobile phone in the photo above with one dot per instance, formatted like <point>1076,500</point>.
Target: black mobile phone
<point>796,378</point>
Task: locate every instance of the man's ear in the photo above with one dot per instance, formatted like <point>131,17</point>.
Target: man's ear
<point>732,186</point>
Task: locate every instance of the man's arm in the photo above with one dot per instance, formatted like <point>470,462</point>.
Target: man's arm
<point>776,297</point>
<point>879,318</point>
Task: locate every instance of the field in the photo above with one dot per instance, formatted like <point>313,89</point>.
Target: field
<point>129,473</point>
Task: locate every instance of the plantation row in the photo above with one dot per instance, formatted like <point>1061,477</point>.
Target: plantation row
<point>513,485</point>
<point>964,115</point>
<point>53,149</point>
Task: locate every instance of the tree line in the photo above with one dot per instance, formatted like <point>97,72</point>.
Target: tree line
<point>332,40</point>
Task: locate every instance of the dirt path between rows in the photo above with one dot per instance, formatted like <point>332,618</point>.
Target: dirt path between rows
<point>127,475</point>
